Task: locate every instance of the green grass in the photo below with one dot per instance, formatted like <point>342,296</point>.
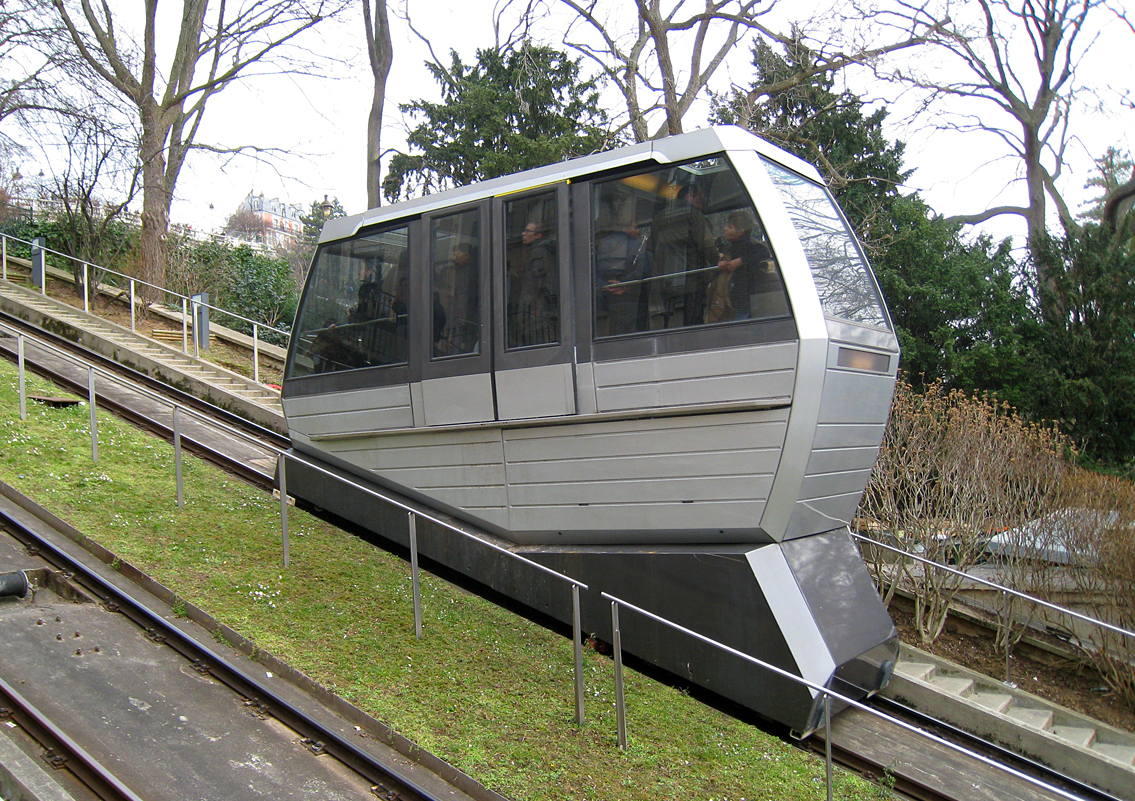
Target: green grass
<point>484,689</point>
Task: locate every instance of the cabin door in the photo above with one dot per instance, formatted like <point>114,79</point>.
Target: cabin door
<point>532,372</point>
<point>457,384</point>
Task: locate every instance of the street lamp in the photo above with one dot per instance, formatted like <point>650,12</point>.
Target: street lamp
<point>326,206</point>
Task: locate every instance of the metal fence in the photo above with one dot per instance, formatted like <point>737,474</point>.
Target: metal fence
<point>191,306</point>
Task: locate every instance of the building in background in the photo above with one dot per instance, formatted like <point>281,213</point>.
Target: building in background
<point>271,222</point>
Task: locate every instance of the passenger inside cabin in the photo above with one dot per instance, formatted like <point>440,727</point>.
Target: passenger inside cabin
<point>622,261</point>
<point>457,290</point>
<point>684,249</point>
<point>743,260</point>
<point>535,317</point>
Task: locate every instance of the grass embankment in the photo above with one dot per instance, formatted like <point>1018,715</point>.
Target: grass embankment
<point>484,689</point>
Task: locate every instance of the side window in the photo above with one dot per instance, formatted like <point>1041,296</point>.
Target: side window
<point>680,247</point>
<point>354,312</point>
<point>455,284</point>
<point>532,280</point>
<point>843,279</point>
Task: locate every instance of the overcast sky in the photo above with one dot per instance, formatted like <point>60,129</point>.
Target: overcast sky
<point>321,124</point>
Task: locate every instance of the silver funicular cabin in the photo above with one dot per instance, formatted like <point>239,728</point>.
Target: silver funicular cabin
<point>664,370</point>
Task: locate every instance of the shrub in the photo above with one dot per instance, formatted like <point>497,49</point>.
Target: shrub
<point>952,471</point>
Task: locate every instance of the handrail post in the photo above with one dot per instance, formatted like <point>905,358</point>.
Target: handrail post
<point>23,381</point>
<point>414,574</point>
<point>86,289</point>
<point>132,301</point>
<point>177,456</point>
<point>620,696</point>
<point>184,326</point>
<point>577,642</point>
<point>1008,633</point>
<point>4,256</point>
<point>828,742</point>
<point>282,462</point>
<point>195,310</point>
<point>94,415</point>
<point>255,354</point>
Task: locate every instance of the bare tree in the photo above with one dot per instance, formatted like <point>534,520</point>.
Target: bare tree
<point>642,63</point>
<point>218,44</point>
<point>99,161</point>
<point>1019,62</point>
<point>381,52</point>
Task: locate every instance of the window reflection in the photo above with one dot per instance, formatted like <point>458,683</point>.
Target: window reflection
<point>532,300</point>
<point>455,284</point>
<point>680,247</point>
<point>844,282</point>
<point>355,311</point>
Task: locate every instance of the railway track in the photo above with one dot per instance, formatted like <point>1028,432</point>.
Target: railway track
<point>851,729</point>
<point>119,630</point>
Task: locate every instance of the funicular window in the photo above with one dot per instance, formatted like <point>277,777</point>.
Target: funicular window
<point>532,291</point>
<point>680,247</point>
<point>354,312</point>
<point>455,283</point>
<point>843,280</point>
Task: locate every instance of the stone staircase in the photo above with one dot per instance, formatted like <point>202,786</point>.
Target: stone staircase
<point>201,378</point>
<point>1024,723</point>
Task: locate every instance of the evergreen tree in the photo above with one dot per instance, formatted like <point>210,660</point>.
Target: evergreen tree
<point>1087,352</point>
<point>319,213</point>
<point>828,129</point>
<point>513,110</point>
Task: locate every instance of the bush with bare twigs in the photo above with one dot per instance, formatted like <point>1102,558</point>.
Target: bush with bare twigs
<point>952,471</point>
<point>963,480</point>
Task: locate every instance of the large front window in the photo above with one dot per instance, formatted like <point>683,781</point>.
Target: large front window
<point>680,247</point>
<point>356,308</point>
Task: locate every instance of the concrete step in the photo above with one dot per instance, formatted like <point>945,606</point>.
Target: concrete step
<point>1065,740</point>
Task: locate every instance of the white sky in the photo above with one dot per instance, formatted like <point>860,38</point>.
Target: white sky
<point>321,124</point>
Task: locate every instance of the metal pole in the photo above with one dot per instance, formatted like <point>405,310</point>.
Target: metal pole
<point>86,290</point>
<point>414,574</point>
<point>94,418</point>
<point>828,741</point>
<point>1008,638</point>
<point>4,257</point>
<point>282,461</point>
<point>132,305</point>
<point>177,455</point>
<point>23,382</point>
<point>196,332</point>
<point>620,697</point>
<point>255,354</point>
<point>577,641</point>
<point>184,327</point>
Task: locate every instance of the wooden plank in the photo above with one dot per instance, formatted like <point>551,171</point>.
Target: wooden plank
<point>924,762</point>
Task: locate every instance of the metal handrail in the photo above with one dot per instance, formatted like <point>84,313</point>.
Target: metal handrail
<point>1000,587</point>
<point>413,511</point>
<point>185,300</point>
<point>827,693</point>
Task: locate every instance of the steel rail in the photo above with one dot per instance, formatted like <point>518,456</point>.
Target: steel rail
<point>96,776</point>
<point>233,676</point>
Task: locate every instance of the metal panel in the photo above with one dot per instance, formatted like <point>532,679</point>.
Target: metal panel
<point>838,460</point>
<point>853,397</point>
<point>377,409</point>
<point>841,595</point>
<point>638,524</point>
<point>544,391</point>
<point>793,617</point>
<point>830,435</point>
<point>763,374</point>
<point>458,399</point>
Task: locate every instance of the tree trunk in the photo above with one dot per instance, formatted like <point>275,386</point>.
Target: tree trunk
<point>156,200</point>
<point>381,56</point>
